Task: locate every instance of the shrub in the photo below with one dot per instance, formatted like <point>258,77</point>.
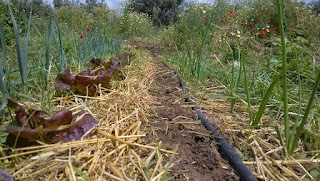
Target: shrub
<point>136,24</point>
<point>162,12</point>
<point>315,5</point>
<point>75,17</point>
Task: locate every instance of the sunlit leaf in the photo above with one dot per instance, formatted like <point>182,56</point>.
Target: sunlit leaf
<point>78,129</point>
<point>62,117</point>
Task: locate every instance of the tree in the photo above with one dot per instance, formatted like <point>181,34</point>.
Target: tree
<point>315,5</point>
<point>58,3</point>
<point>39,7</point>
<point>162,12</point>
<point>91,4</point>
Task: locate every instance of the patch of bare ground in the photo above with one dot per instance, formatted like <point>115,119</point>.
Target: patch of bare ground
<point>176,126</point>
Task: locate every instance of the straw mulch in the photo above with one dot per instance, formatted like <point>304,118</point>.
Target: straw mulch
<point>114,150</point>
<point>259,148</point>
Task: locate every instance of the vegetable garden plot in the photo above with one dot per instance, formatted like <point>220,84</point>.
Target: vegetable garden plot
<point>114,150</point>
<point>260,149</point>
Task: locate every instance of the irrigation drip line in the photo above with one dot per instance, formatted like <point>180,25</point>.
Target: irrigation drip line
<point>225,149</point>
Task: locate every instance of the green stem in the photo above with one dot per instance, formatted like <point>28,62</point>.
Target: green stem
<point>204,39</point>
<point>305,116</point>
<point>284,78</point>
<point>247,90</point>
<point>267,96</point>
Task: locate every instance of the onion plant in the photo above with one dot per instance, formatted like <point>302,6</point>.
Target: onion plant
<point>296,138</point>
<point>292,135</point>
<point>284,75</point>
<point>247,88</point>
<point>199,67</point>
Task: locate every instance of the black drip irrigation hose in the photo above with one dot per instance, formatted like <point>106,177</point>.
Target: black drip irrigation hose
<point>225,148</point>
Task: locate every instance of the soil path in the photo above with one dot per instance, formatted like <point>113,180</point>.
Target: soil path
<point>177,127</point>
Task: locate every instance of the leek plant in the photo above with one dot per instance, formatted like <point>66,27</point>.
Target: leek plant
<point>62,59</point>
<point>22,51</point>
<point>3,78</point>
<point>45,63</point>
<point>97,42</point>
<point>48,51</point>
<point>233,100</point>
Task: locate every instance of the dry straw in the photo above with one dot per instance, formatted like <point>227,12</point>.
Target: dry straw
<point>264,153</point>
<point>115,150</point>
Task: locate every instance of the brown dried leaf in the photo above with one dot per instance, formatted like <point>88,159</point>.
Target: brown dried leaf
<point>59,118</point>
<point>38,118</point>
<point>64,80</point>
<point>87,79</point>
<point>87,73</point>
<point>31,135</point>
<point>97,61</point>
<point>21,114</point>
<point>107,65</point>
<point>91,82</point>
<point>76,115</point>
<point>78,129</point>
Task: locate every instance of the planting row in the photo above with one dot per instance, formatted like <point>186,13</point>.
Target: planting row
<point>36,125</point>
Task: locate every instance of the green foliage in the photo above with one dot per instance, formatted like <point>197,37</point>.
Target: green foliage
<point>315,5</point>
<point>7,22</point>
<point>97,42</point>
<point>247,33</point>
<point>105,15</point>
<point>3,62</point>
<point>190,28</point>
<point>162,12</point>
<point>40,8</point>
<point>135,24</point>
<point>47,63</point>
<point>75,17</point>
<point>34,40</point>
<point>81,174</point>
<point>58,3</point>
<point>315,174</point>
<point>22,51</point>
<point>3,59</point>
